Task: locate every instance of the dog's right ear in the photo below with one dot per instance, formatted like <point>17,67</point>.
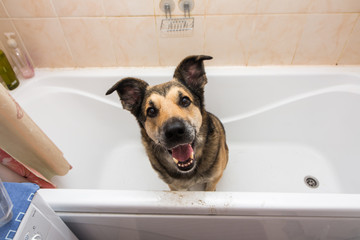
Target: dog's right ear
<point>131,92</point>
<point>191,73</point>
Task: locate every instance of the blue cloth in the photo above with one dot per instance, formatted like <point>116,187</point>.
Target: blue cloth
<point>21,195</point>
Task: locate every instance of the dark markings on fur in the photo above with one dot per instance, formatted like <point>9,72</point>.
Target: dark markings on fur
<point>211,131</point>
<point>211,152</point>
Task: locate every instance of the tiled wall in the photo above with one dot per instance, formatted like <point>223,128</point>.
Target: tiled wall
<point>108,33</point>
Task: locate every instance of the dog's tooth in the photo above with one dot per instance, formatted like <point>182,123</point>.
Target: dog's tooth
<point>175,160</point>
<point>192,155</point>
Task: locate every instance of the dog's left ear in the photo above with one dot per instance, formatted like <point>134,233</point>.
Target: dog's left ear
<point>191,72</point>
<point>131,92</point>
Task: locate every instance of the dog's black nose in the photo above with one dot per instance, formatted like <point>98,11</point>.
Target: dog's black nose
<point>174,130</point>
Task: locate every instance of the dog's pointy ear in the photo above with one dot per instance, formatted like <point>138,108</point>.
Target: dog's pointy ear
<point>191,72</point>
<point>131,92</point>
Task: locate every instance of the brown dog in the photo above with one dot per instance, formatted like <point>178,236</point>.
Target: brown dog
<point>186,145</point>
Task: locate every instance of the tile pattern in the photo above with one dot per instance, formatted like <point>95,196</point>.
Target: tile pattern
<point>90,41</point>
<point>107,33</point>
<point>228,45</point>
<point>272,41</point>
<point>3,13</point>
<point>79,8</point>
<point>29,8</point>
<point>323,38</point>
<point>351,54</point>
<point>48,46</point>
<point>135,41</point>
<point>125,8</point>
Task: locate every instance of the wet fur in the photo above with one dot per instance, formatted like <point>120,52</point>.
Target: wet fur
<point>210,149</point>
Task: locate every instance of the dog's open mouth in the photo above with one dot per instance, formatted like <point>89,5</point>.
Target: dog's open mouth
<point>183,156</point>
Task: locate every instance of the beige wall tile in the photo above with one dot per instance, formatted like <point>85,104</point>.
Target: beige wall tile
<point>45,42</point>
<point>6,26</point>
<point>323,38</point>
<point>284,6</point>
<point>199,8</point>
<point>90,42</point>
<point>335,6</point>
<point>234,32</point>
<point>215,7</point>
<point>351,54</point>
<point>174,49</point>
<point>135,41</point>
<point>129,8</point>
<point>29,8</point>
<point>3,13</point>
<point>274,39</point>
<point>227,39</point>
<point>79,8</point>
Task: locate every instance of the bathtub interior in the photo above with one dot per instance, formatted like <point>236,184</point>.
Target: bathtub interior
<point>280,129</point>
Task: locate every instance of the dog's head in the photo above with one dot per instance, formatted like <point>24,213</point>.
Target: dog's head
<point>170,113</point>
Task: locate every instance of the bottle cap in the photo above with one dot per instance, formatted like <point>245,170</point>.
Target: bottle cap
<point>11,41</point>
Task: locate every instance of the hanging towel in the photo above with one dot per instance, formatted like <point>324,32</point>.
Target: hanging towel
<point>24,141</point>
<point>21,195</point>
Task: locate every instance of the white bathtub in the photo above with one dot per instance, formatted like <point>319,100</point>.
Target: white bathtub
<point>282,124</point>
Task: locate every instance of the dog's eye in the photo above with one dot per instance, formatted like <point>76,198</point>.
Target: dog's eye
<point>185,101</point>
<point>151,112</point>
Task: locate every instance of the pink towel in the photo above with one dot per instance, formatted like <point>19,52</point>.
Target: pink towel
<point>30,174</point>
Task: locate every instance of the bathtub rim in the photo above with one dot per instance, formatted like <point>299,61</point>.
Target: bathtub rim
<point>44,73</point>
<point>202,203</point>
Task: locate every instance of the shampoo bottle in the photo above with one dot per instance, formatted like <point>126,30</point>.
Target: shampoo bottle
<point>7,73</point>
<point>19,57</point>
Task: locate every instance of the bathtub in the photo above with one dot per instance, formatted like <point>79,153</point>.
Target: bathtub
<point>293,173</point>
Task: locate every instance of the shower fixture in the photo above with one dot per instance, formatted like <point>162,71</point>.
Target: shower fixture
<point>177,26</point>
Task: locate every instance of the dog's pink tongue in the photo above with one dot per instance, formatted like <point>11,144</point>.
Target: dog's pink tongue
<point>182,152</point>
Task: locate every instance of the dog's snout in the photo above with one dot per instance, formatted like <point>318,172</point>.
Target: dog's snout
<point>174,130</point>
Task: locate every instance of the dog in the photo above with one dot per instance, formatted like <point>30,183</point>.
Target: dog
<point>186,145</point>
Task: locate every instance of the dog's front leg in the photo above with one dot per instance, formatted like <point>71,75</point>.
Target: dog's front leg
<point>211,186</point>
<point>173,188</point>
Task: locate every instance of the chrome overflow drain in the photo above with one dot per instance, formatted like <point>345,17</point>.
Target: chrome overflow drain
<point>311,182</point>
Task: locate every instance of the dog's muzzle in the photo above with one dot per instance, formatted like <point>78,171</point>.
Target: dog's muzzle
<point>178,137</point>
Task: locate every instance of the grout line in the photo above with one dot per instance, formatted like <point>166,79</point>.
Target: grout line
<point>103,8</point>
<point>252,34</point>
<point>63,33</point>
<point>5,9</point>
<point>112,38</point>
<point>205,23</point>
<point>298,41</point>
<point>23,46</point>
<point>257,7</point>
<point>195,15</point>
<point>157,32</point>
<point>347,40</point>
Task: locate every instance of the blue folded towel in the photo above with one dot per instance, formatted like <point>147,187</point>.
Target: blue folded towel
<point>21,195</point>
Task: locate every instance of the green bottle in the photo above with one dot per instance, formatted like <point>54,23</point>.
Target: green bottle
<point>7,73</point>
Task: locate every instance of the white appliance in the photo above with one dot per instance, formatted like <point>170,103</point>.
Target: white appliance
<point>40,222</point>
